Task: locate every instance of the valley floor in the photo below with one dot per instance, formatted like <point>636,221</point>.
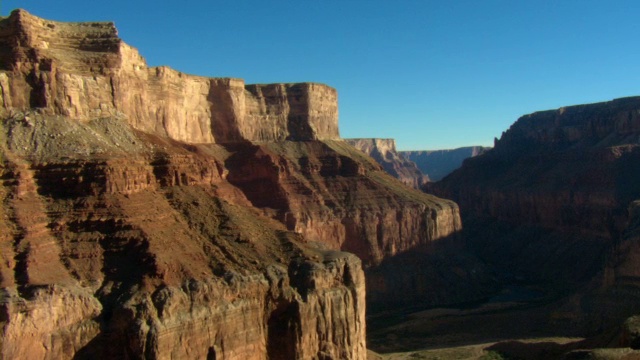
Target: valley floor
<point>510,329</point>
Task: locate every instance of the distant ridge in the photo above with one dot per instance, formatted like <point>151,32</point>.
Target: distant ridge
<point>384,152</point>
<point>437,164</point>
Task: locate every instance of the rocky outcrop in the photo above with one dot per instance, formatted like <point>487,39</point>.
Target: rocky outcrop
<point>439,163</point>
<point>384,152</point>
<point>84,71</point>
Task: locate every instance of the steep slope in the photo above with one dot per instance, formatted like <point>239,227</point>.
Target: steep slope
<point>439,163</point>
<point>151,214</point>
<point>333,194</point>
<point>128,251</point>
<point>384,152</point>
<point>550,204</point>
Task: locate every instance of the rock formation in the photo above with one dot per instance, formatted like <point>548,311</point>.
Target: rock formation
<point>550,204</point>
<point>384,152</point>
<point>335,195</point>
<point>120,244</point>
<point>151,214</point>
<point>83,71</point>
<point>439,163</point>
<point>569,168</point>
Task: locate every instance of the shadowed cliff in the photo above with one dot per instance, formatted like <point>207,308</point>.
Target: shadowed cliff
<point>550,205</point>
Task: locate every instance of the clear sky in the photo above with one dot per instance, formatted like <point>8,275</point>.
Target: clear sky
<point>431,74</point>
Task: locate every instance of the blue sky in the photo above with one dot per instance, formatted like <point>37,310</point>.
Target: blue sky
<point>431,74</point>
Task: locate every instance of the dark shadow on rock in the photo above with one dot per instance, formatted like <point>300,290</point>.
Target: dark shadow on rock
<point>574,350</point>
<point>94,349</point>
<point>441,273</point>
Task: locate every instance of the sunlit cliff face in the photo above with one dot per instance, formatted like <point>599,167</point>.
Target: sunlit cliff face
<point>149,213</point>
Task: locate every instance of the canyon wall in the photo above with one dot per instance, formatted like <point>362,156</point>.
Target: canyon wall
<point>151,214</point>
<point>549,204</point>
<point>439,163</point>
<point>570,168</point>
<point>83,71</point>
<point>336,195</point>
<point>384,152</point>
<point>119,244</point>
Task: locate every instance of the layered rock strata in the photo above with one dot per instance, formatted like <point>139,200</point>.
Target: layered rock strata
<point>152,214</point>
<point>384,152</point>
<point>570,168</point>
<point>335,195</point>
<point>140,248</point>
<point>437,164</point>
<point>84,71</point>
<point>550,204</point>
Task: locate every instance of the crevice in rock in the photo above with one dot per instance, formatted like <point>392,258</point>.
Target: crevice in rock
<point>283,331</point>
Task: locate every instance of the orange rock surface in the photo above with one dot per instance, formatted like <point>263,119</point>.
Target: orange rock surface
<point>83,71</point>
<point>152,214</point>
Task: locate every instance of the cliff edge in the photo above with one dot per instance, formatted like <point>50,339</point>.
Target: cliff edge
<point>83,71</point>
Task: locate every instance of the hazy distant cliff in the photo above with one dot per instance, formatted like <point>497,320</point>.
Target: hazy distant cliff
<point>384,152</point>
<point>439,163</point>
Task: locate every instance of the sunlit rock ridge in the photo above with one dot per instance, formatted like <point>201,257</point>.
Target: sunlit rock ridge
<point>83,71</point>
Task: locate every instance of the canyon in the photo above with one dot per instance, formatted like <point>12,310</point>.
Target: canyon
<point>437,164</point>
<point>384,152</point>
<point>553,206</point>
<point>415,168</point>
<point>148,213</point>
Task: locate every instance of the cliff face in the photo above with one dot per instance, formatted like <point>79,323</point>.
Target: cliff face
<point>335,195</point>
<point>384,152</point>
<point>83,71</point>
<point>141,243</point>
<point>570,168</point>
<point>148,213</point>
<point>439,163</point>
<point>550,201</point>
<point>614,296</point>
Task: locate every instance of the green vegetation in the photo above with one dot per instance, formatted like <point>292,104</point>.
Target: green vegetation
<point>493,355</point>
